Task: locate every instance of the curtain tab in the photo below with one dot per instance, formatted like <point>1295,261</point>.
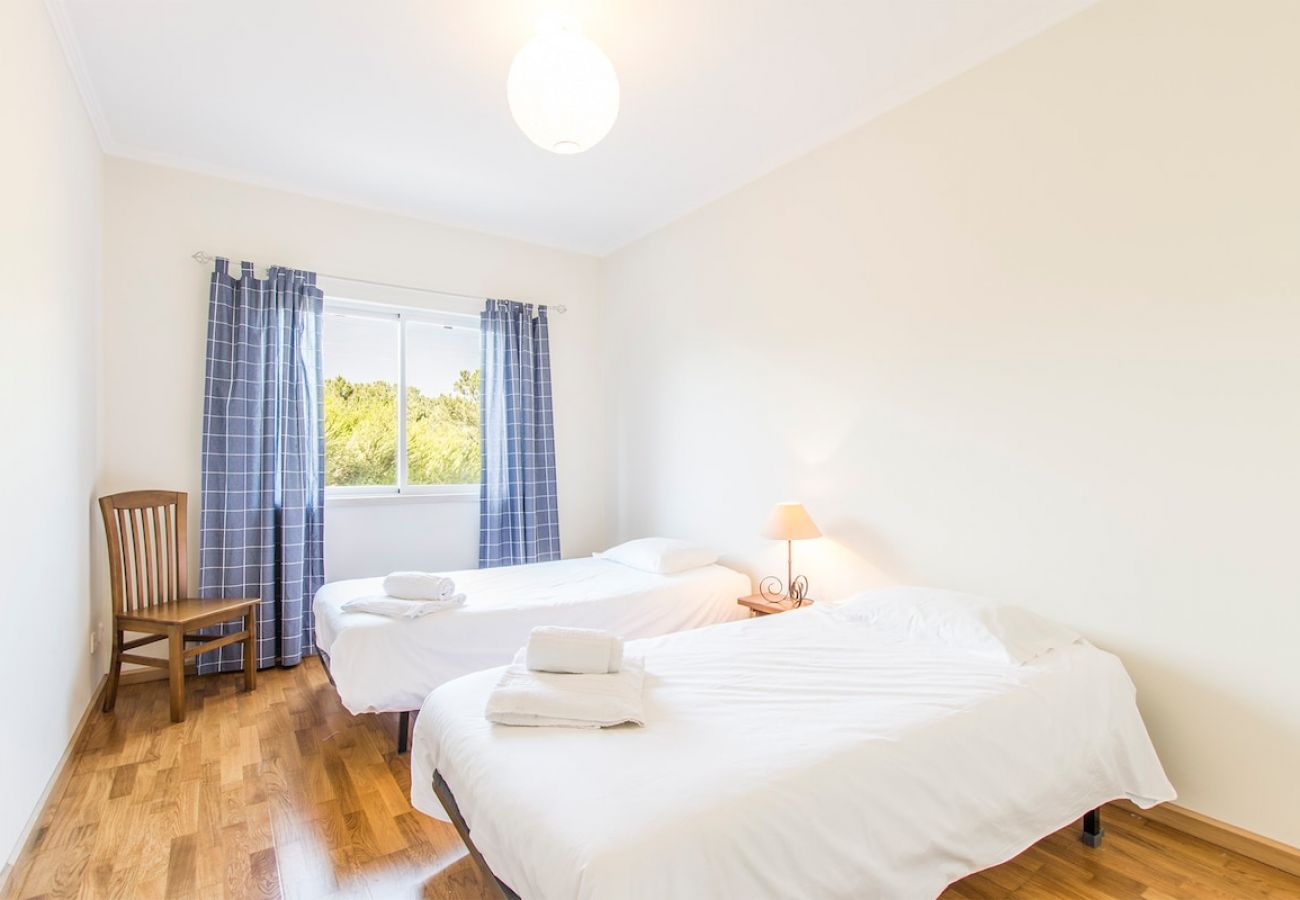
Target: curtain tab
<point>515,308</point>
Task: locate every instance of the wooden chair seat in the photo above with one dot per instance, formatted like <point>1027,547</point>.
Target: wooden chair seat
<point>195,612</point>
<point>147,565</point>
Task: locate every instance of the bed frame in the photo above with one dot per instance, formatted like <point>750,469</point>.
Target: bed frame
<point>403,718</point>
<point>503,891</point>
<point>1092,835</point>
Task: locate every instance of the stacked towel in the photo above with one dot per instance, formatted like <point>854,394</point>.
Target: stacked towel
<point>524,697</point>
<point>575,651</point>
<point>396,608</point>
<point>419,586</point>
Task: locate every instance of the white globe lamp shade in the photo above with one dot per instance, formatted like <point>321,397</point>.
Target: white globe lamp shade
<point>563,90</point>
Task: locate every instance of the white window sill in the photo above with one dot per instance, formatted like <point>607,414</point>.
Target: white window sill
<point>395,498</point>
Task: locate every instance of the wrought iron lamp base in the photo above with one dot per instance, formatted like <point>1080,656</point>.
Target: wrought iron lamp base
<point>774,590</point>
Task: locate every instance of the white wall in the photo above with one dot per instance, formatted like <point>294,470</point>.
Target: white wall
<point>1035,334</point>
<point>155,300</point>
<point>413,533</point>
<point>49,308</point>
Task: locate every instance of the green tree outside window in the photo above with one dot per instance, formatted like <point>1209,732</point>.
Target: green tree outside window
<point>442,433</point>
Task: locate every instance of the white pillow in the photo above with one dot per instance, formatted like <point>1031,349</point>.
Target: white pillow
<point>933,617</point>
<point>661,555</point>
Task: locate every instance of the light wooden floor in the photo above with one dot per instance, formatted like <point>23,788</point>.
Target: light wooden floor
<point>283,793</point>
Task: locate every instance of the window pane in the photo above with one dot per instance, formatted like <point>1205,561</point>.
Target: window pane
<point>442,388</point>
<point>361,374</point>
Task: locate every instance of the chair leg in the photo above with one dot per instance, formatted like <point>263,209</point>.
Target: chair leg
<point>250,649</point>
<point>176,671</point>
<point>114,672</point>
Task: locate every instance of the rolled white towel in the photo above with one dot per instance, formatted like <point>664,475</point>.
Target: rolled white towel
<point>396,608</point>
<point>419,586</point>
<point>542,699</point>
<point>574,651</point>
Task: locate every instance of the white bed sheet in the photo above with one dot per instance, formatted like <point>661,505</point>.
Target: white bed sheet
<point>792,756</point>
<point>389,665</point>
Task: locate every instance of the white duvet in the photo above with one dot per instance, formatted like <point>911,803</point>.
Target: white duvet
<point>792,756</point>
<point>381,664</point>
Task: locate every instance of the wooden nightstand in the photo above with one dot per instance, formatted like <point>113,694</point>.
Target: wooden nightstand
<point>758,606</point>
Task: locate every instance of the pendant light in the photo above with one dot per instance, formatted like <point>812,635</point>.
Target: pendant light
<point>562,88</point>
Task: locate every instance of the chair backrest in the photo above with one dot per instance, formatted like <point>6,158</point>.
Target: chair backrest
<point>146,547</point>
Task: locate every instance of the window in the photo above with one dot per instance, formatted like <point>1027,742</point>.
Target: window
<point>401,400</point>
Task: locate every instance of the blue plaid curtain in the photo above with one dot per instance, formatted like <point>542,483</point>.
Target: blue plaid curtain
<point>519,519</point>
<point>262,523</point>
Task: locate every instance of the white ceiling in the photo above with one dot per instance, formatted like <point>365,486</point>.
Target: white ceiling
<point>401,105</point>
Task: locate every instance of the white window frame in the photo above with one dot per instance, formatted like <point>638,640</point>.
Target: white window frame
<point>402,315</point>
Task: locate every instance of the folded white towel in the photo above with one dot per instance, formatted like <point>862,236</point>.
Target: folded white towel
<point>576,651</point>
<point>396,608</point>
<point>419,586</point>
<point>523,697</point>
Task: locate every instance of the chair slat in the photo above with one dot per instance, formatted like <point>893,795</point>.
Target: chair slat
<point>150,555</point>
<point>123,537</point>
<point>159,513</point>
<point>136,528</point>
<point>168,512</point>
<point>182,548</point>
<point>116,561</point>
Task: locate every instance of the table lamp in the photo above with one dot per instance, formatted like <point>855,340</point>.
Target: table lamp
<point>788,522</point>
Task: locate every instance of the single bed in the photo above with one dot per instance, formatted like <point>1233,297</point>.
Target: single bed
<point>797,755</point>
<point>380,664</point>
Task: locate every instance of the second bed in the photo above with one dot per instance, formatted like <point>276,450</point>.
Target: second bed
<point>380,664</point>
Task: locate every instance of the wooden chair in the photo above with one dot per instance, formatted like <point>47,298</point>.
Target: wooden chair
<point>147,566</point>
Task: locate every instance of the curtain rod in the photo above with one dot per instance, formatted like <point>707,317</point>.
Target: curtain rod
<point>203,257</point>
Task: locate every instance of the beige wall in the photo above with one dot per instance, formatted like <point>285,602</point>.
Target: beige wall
<point>49,308</point>
<point>1035,334</point>
<point>155,300</point>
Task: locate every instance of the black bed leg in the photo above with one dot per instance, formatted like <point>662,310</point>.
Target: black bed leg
<point>1092,830</point>
<point>404,731</point>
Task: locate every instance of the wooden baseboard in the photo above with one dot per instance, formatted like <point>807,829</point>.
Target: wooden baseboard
<point>1221,834</point>
<point>54,788</point>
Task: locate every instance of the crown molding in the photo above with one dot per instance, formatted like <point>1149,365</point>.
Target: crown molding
<point>63,30</point>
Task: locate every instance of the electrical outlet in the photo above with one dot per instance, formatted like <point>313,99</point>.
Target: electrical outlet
<point>94,638</point>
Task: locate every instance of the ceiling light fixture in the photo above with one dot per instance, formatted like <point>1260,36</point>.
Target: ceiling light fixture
<point>562,88</point>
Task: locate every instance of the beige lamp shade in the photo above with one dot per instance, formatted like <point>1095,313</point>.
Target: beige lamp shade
<point>790,522</point>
